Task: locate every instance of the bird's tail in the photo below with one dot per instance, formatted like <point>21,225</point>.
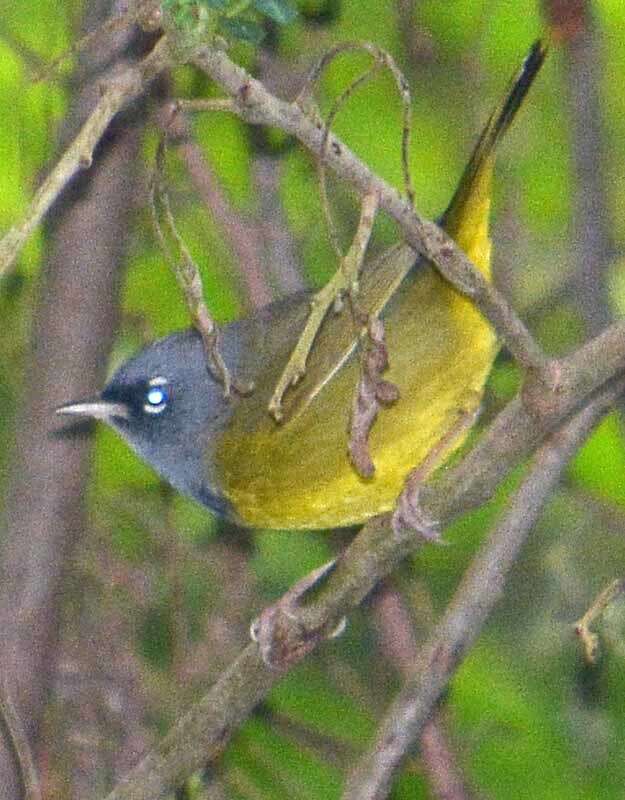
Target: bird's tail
<point>466,217</point>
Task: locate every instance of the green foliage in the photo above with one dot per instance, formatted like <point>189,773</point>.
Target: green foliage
<point>236,19</point>
<point>279,11</point>
<point>522,717</point>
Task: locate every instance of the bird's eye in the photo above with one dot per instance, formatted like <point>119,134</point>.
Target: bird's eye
<point>156,396</point>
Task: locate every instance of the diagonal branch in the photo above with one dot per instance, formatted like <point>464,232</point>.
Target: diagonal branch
<point>475,598</point>
<point>116,94</point>
<point>257,106</point>
<point>591,375</point>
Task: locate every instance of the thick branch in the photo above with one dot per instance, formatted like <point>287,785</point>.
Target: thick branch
<point>479,591</point>
<point>204,732</point>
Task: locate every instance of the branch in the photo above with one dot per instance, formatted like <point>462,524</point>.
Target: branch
<point>116,94</point>
<point>479,591</point>
<point>343,282</point>
<point>256,105</point>
<point>589,640</point>
<point>242,235</point>
<point>399,644</point>
<point>203,733</point>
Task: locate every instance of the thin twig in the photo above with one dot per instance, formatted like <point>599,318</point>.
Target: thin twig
<point>398,643</point>
<point>603,601</point>
<point>475,598</point>
<point>18,742</point>
<point>344,280</point>
<point>381,58</point>
<point>189,279</point>
<point>116,93</point>
<point>240,232</point>
<point>321,169</point>
<point>258,106</point>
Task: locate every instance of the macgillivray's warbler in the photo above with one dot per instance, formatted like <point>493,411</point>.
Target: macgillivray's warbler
<point>231,455</point>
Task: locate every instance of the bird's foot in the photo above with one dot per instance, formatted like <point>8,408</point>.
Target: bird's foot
<point>410,515</point>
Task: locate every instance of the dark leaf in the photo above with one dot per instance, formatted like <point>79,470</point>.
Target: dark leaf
<point>280,11</point>
<point>244,29</point>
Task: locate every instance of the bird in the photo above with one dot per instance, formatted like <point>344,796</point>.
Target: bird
<point>231,455</point>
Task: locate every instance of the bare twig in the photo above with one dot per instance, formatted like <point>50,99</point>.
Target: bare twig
<point>345,280</point>
<point>240,232</point>
<point>15,736</point>
<point>257,106</point>
<point>398,643</point>
<point>589,639</point>
<point>189,279</point>
<point>381,58</point>
<point>321,161</point>
<point>475,598</point>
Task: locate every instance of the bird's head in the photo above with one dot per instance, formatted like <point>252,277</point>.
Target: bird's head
<point>166,404</point>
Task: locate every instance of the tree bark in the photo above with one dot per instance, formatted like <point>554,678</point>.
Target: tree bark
<point>73,328</point>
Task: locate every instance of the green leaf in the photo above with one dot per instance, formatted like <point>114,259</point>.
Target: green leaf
<point>217,4</point>
<point>244,29</point>
<point>280,11</point>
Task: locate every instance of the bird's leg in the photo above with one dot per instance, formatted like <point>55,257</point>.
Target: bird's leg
<point>409,514</point>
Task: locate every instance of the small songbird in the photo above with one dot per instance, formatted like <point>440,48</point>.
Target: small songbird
<point>231,454</point>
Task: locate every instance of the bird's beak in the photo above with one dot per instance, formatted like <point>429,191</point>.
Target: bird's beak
<point>96,409</point>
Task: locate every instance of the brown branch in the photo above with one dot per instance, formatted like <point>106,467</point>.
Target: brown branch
<point>257,106</point>
<point>116,94</point>
<point>398,643</point>
<point>204,731</point>
<point>475,598</point>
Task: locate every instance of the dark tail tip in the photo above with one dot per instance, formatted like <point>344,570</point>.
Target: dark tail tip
<point>520,86</point>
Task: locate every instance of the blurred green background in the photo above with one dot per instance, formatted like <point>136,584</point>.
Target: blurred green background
<point>525,717</point>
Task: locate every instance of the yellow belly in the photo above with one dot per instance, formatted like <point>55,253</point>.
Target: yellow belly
<point>299,475</point>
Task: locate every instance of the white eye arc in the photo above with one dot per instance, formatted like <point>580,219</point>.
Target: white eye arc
<point>156,396</point>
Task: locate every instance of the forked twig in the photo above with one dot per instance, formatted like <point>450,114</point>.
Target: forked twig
<point>188,276</point>
<point>381,58</point>
<point>345,280</point>
<point>603,601</point>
